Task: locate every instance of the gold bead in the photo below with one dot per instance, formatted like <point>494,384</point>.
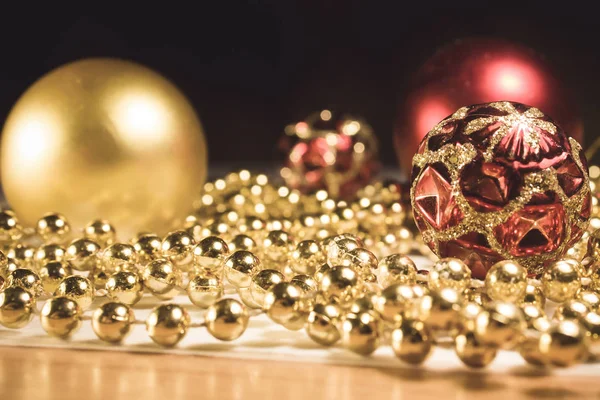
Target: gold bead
<point>148,248</point>
<point>529,348</point>
<point>227,319</point>
<point>204,289</point>
<point>76,288</point>
<point>450,272</point>
<point>404,240</point>
<point>535,296</point>
<point>83,254</point>
<point>590,298</point>
<point>467,317</point>
<point>167,324</point>
<point>284,305</point>
<point>210,253</point>
<point>125,287</point>
<point>161,279</point>
<point>362,260</point>
<point>178,247</point>
<point>565,343</point>
<point>118,257</point>
<point>322,322</point>
<point>53,273</point>
<point>571,309</point>
<point>440,309</point>
<point>340,283</point>
<point>560,282</point>
<point>112,322</point>
<point>26,279</point>
<point>277,246</point>
<point>506,281</point>
<point>412,341</point>
<point>22,253</point>
<point>101,232</point>
<point>394,301</point>
<point>10,229</point>
<point>61,317</point>
<point>472,352</point>
<point>242,242</point>
<point>307,283</point>
<point>240,267</point>
<point>307,257</point>
<point>396,268</point>
<point>338,246</point>
<point>16,307</point>
<point>500,324</point>
<point>262,282</point>
<point>361,333</point>
<point>53,228</point>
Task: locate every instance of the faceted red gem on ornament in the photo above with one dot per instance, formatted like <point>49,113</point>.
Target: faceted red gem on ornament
<point>569,176</point>
<point>434,198</point>
<point>535,229</point>
<point>486,185</point>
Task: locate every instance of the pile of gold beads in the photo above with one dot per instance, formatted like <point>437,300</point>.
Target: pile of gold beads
<point>340,270</point>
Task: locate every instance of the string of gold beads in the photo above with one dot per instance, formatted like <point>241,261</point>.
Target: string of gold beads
<point>307,262</point>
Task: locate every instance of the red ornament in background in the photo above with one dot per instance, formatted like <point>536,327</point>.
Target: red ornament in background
<point>476,71</point>
<point>326,151</point>
<point>500,181</point>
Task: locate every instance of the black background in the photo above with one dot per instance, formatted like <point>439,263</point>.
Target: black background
<point>250,68</point>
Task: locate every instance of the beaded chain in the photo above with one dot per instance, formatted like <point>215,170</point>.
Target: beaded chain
<point>340,270</point>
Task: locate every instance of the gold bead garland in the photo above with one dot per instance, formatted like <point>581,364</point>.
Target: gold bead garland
<point>342,271</point>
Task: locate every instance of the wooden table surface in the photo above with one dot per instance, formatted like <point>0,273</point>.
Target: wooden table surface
<point>31,373</point>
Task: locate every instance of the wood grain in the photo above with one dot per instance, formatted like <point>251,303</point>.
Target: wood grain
<point>67,374</point>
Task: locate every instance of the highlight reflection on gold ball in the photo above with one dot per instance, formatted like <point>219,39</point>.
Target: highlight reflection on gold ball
<point>103,138</point>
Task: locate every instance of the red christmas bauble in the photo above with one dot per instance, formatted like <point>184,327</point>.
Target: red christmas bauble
<point>329,151</point>
<point>500,181</point>
<point>476,71</point>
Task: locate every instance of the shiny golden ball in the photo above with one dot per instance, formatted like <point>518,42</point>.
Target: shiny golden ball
<point>396,268</point>
<point>10,228</point>
<point>100,231</point>
<point>118,257</point>
<point>53,228</point>
<point>125,287</point>
<point>204,289</point>
<point>61,317</point>
<point>148,247</point>
<point>76,288</point>
<point>112,322</point>
<point>162,279</point>
<point>284,305</point>
<point>361,333</point>
<point>322,324</point>
<point>210,253</point>
<point>178,247</point>
<point>83,254</point>
<point>450,272</point>
<point>240,267</point>
<point>167,324</point>
<point>47,253</point>
<point>412,341</point>
<point>565,343</point>
<point>227,319</point>
<point>506,281</point>
<point>561,280</point>
<point>262,282</point>
<point>307,257</point>
<point>16,307</point>
<point>111,130</point>
<point>26,279</point>
<point>472,352</point>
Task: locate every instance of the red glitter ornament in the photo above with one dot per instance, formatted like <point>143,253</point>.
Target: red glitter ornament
<point>500,181</point>
<point>329,152</point>
<point>480,71</point>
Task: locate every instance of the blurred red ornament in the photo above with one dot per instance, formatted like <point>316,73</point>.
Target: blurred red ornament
<point>477,71</point>
<point>500,181</point>
<point>329,152</point>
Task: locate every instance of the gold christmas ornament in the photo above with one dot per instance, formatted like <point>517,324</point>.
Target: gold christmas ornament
<point>227,319</point>
<point>161,279</point>
<point>131,129</point>
<point>83,254</point>
<point>204,289</point>
<point>125,287</point>
<point>76,288</point>
<point>167,324</point>
<point>16,307</point>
